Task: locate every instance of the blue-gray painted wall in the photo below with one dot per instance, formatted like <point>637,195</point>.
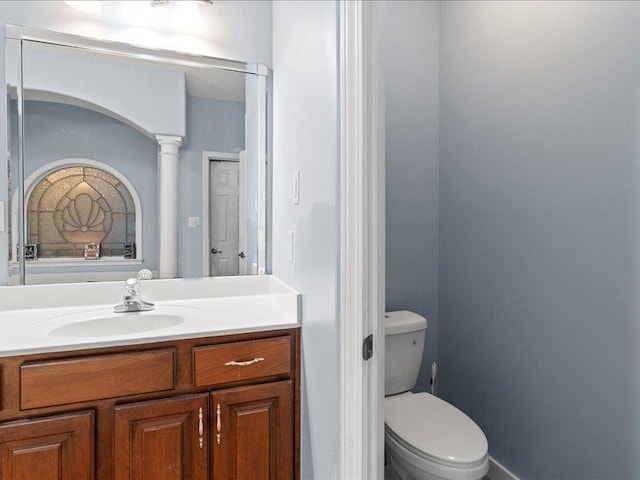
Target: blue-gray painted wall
<point>539,335</point>
<point>212,125</point>
<point>412,109</point>
<point>54,131</point>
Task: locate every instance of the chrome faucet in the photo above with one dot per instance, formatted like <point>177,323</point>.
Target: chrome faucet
<point>132,301</point>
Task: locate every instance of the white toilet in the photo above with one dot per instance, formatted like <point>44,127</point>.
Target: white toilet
<point>425,437</point>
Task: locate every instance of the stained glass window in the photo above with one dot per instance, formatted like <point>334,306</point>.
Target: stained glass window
<point>74,206</point>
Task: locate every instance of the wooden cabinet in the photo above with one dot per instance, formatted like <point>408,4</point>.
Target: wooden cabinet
<point>223,408</point>
<point>95,377</point>
<point>241,361</point>
<point>162,439</point>
<point>252,434</point>
<point>54,448</point>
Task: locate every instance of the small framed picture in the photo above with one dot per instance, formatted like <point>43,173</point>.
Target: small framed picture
<point>129,251</point>
<point>31,251</point>
<point>91,251</point>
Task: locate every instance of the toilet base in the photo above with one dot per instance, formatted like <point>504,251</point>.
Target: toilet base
<point>398,471</point>
<point>405,465</point>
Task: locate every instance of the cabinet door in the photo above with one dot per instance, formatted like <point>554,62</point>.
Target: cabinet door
<point>162,439</point>
<point>53,448</point>
<point>252,432</point>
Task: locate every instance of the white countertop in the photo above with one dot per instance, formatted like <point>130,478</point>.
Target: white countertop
<point>217,306</point>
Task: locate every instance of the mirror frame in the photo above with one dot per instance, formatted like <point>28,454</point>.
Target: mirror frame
<point>20,34</point>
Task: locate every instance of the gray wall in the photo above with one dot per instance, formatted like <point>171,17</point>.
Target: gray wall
<point>305,136</point>
<point>412,108</point>
<point>539,232</point>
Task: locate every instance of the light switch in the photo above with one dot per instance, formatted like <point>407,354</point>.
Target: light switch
<point>194,222</point>
<point>290,247</point>
<point>296,187</point>
<point>2,229</point>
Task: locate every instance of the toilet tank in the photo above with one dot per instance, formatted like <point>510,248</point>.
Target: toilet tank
<point>404,341</point>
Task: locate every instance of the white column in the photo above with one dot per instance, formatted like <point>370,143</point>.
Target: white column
<point>168,204</point>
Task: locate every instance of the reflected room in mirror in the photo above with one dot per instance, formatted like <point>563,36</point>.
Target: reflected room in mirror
<point>121,158</point>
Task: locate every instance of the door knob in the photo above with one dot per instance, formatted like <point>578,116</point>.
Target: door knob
<point>214,251</point>
<point>242,255</point>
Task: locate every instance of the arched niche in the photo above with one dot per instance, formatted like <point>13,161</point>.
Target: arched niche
<point>75,191</point>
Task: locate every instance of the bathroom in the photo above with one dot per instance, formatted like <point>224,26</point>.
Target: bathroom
<point>511,218</point>
<point>524,259</point>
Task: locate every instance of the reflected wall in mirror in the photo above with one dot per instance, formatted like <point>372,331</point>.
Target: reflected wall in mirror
<point>122,158</point>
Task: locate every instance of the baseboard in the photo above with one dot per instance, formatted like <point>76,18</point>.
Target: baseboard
<point>497,471</point>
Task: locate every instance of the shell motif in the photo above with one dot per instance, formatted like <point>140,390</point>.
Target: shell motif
<point>83,214</point>
<point>83,220</point>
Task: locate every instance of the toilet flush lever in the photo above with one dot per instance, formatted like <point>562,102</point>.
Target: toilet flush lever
<point>433,378</point>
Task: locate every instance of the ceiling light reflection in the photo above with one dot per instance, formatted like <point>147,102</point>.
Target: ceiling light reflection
<point>85,6</point>
<point>186,15</point>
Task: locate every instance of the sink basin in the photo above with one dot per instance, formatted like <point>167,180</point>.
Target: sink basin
<point>122,325</point>
<point>107,323</point>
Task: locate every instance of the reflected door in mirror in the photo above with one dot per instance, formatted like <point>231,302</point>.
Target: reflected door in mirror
<point>224,210</point>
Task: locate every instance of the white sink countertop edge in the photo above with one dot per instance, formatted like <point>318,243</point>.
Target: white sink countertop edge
<point>268,305</point>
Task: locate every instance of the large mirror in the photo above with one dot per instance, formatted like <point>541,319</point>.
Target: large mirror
<point>122,158</point>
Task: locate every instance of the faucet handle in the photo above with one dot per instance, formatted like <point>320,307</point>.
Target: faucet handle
<point>132,286</point>
<point>144,274</point>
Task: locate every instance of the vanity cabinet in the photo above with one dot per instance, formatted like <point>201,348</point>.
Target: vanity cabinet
<point>218,408</point>
<point>252,432</point>
<point>54,448</point>
<point>162,439</point>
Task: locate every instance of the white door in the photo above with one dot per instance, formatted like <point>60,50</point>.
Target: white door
<point>224,221</point>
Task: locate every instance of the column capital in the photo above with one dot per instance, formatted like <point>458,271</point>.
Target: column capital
<point>169,140</point>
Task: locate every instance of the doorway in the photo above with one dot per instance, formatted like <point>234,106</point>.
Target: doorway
<point>225,214</point>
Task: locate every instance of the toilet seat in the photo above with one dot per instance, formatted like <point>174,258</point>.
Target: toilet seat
<point>435,430</point>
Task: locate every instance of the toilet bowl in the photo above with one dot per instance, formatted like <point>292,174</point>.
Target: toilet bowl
<point>426,438</point>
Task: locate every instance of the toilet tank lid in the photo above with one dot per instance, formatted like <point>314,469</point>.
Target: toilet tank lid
<point>403,321</point>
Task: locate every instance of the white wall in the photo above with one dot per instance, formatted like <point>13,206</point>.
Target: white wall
<point>147,97</point>
<point>306,137</point>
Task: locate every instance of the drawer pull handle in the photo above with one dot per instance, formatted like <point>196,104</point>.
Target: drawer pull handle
<point>218,423</point>
<point>234,363</point>
<point>201,427</point>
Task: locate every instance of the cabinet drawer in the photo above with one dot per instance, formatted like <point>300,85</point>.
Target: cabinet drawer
<point>45,384</point>
<point>233,362</point>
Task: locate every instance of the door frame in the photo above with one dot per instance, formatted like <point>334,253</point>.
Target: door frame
<point>207,158</point>
<point>362,204</point>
